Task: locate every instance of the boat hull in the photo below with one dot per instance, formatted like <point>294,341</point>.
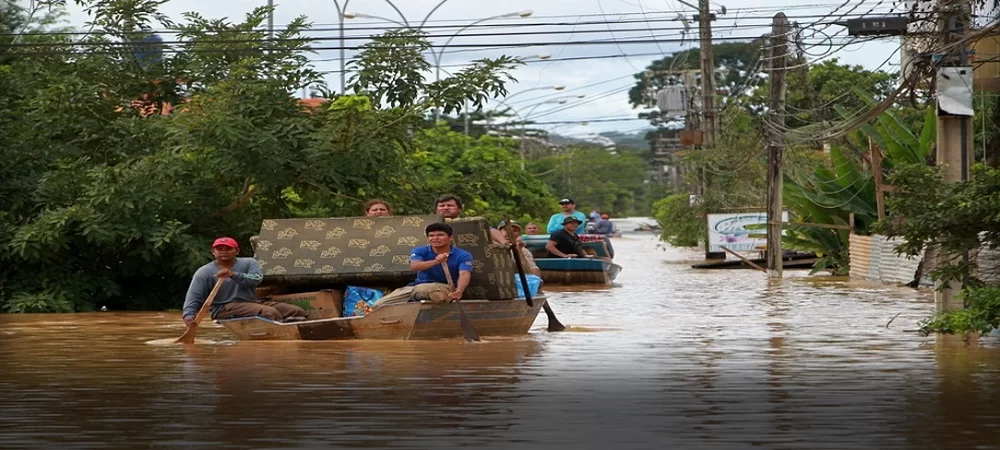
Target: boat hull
<point>414,321</point>
<point>577,270</point>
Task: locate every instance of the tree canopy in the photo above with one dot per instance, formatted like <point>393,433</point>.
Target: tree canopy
<point>118,175</point>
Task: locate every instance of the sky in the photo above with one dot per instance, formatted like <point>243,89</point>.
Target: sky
<point>556,28</point>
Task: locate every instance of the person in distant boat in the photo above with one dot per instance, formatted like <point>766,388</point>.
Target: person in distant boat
<point>532,229</point>
<point>378,208</point>
<point>431,283</point>
<point>595,214</point>
<point>450,207</point>
<point>564,243</point>
<point>236,297</point>
<point>527,259</point>
<point>568,209</point>
<point>604,225</point>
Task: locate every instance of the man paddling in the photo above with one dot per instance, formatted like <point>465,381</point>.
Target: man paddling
<point>236,297</point>
<point>431,283</point>
<point>527,259</point>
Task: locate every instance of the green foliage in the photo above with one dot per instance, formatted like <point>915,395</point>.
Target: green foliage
<point>981,314</point>
<point>103,203</point>
<point>958,217</point>
<point>484,172</point>
<point>830,193</point>
<point>817,92</point>
<point>682,223</point>
<point>597,178</point>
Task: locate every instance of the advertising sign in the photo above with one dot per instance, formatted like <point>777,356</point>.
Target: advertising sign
<point>730,230</point>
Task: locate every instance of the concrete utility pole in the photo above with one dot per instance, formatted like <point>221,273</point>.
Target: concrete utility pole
<point>954,132</point>
<point>709,120</point>
<point>776,75</point>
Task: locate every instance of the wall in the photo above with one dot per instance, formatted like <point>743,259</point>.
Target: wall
<point>872,258</point>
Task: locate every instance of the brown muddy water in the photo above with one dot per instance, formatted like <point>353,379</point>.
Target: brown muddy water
<point>670,357</point>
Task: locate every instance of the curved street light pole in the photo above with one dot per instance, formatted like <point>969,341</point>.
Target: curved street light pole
<point>341,10</point>
<point>437,55</point>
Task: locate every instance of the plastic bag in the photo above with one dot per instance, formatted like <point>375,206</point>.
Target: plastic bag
<point>359,301</point>
<point>534,284</point>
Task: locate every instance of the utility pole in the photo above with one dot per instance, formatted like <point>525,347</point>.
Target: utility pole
<point>709,120</point>
<point>775,142</point>
<point>954,131</point>
<point>270,19</point>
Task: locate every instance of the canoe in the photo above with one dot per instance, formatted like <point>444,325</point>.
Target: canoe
<point>578,270</point>
<point>414,321</point>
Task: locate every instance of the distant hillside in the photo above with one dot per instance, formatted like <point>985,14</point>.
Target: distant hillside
<point>636,140</point>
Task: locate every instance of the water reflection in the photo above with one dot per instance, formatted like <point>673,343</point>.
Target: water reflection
<point>670,357</point>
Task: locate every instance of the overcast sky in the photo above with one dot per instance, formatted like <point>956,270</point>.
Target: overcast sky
<point>603,82</point>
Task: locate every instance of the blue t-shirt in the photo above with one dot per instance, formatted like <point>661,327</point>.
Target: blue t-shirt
<point>556,221</point>
<point>458,260</point>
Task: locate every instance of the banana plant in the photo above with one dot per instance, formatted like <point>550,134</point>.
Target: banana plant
<point>829,194</point>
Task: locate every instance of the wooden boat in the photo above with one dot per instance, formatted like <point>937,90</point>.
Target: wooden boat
<point>414,320</point>
<point>578,270</point>
<point>598,270</point>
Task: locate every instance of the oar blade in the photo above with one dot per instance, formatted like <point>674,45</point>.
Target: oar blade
<point>468,330</point>
<point>554,323</point>
<point>187,337</point>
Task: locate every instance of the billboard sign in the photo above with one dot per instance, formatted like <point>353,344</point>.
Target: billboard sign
<point>730,230</point>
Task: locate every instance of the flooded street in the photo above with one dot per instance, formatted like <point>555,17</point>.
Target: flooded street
<point>670,357</point>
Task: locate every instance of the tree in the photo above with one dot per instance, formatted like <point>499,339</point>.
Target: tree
<point>815,91</point>
<point>596,178</point>
<point>104,203</point>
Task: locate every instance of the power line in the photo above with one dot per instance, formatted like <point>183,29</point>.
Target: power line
<point>401,28</point>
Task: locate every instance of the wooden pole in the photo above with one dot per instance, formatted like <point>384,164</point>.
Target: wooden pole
<point>747,261</point>
<point>875,154</point>
<point>954,142</point>
<point>776,75</point>
<point>708,122</point>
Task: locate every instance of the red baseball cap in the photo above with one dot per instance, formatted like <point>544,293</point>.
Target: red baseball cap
<point>226,241</point>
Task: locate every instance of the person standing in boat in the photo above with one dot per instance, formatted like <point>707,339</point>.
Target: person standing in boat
<point>236,297</point>
<point>556,222</point>
<point>564,243</point>
<point>377,208</point>
<point>449,206</point>
<point>527,259</point>
<point>431,283</point>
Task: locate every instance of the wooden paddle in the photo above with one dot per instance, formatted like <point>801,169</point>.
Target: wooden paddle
<point>467,329</point>
<point>554,324</point>
<point>188,336</point>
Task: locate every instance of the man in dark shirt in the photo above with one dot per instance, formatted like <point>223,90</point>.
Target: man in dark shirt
<point>565,243</point>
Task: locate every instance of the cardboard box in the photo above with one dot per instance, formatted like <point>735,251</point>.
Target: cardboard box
<point>327,303</point>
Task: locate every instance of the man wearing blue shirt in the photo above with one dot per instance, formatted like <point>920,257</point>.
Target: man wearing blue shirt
<point>431,283</point>
<point>568,209</point>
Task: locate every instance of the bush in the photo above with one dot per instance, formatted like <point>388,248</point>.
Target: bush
<point>981,314</point>
<point>681,222</point>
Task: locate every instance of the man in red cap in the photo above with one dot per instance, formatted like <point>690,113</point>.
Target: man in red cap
<point>236,297</point>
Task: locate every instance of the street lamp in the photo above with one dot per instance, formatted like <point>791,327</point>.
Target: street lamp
<point>437,56</point>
